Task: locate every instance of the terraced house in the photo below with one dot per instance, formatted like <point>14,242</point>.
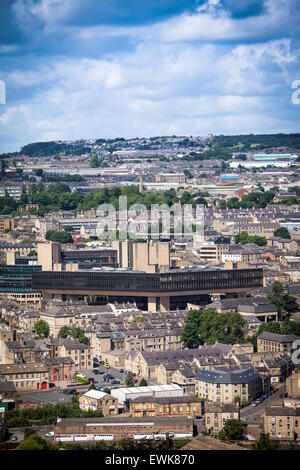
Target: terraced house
<point>26,376</point>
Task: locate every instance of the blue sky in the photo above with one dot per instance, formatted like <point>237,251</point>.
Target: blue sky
<point>106,68</point>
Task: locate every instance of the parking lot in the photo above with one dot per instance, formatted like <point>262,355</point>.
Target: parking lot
<point>56,395</point>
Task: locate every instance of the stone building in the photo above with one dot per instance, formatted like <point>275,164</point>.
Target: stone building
<point>94,400</point>
<point>225,385</point>
<point>274,342</point>
<point>185,406</point>
<point>216,415</point>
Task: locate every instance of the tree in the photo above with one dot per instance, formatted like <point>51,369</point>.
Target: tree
<point>129,380</point>
<point>233,429</point>
<point>143,383</point>
<point>107,390</point>
<point>64,332</point>
<point>282,232</point>
<point>61,237</point>
<point>208,326</point>
<point>39,172</point>
<point>265,443</point>
<point>35,442</point>
<point>79,334</point>
<point>42,328</point>
<point>92,387</point>
<point>285,303</point>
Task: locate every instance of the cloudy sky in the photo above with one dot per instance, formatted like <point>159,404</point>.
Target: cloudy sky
<point>126,68</point>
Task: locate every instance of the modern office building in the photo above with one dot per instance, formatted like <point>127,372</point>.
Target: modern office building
<point>165,289</point>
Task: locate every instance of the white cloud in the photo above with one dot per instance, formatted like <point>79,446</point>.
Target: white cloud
<point>165,85</point>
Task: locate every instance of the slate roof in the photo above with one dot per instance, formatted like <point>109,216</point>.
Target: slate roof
<point>278,337</point>
<point>237,376</point>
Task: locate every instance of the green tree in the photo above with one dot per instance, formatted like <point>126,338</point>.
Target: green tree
<point>61,237</point>
<point>79,334</point>
<point>282,232</point>
<point>92,387</point>
<point>233,429</point>
<point>265,443</point>
<point>42,328</point>
<point>64,332</point>
<point>143,383</point>
<point>129,380</point>
<point>209,326</point>
<point>35,442</point>
<point>284,302</point>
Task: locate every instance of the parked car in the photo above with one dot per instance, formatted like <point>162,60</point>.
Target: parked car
<point>101,362</point>
<point>50,434</point>
<point>275,390</point>
<point>13,438</point>
<point>96,371</point>
<point>135,381</point>
<point>133,374</point>
<point>115,382</point>
<point>100,389</point>
<point>107,366</point>
<point>93,381</point>
<point>121,371</point>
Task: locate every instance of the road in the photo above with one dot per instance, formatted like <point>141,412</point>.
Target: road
<point>254,414</point>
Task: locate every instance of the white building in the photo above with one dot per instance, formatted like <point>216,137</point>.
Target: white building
<point>125,394</point>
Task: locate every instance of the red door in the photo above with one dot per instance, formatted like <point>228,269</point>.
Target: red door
<point>44,385</point>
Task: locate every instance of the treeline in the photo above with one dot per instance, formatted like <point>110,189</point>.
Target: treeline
<point>256,200</point>
<point>46,414</point>
<point>57,197</point>
<point>258,141</point>
<point>47,149</point>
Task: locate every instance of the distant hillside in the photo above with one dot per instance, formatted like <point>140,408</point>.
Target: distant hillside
<point>45,149</point>
<point>259,141</point>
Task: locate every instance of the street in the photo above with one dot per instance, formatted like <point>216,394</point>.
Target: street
<point>254,414</point>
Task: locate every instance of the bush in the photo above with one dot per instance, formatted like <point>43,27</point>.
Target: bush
<point>81,379</point>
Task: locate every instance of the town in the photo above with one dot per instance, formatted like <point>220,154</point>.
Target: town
<point>142,337</point>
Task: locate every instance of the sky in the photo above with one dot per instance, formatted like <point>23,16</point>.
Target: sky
<point>79,69</point>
